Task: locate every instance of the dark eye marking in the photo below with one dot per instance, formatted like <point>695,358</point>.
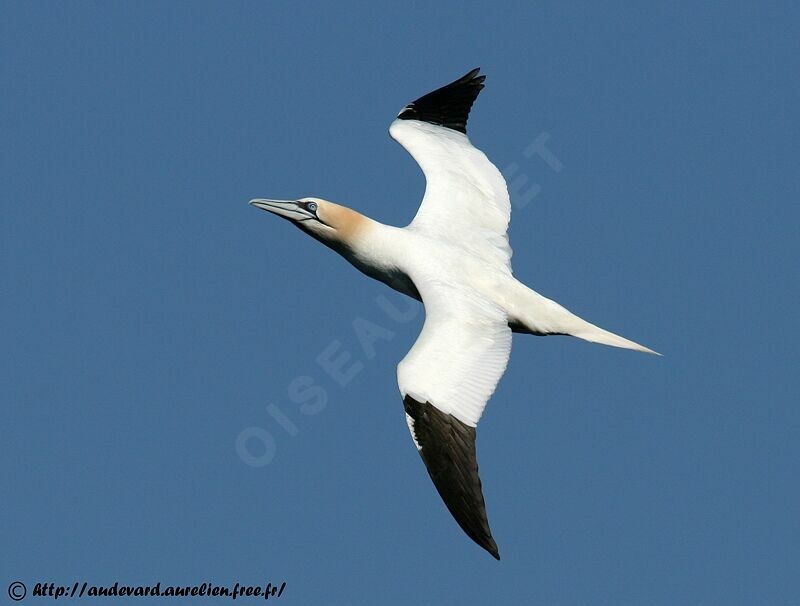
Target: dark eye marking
<point>312,206</point>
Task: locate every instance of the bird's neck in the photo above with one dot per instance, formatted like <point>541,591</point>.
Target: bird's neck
<point>377,250</point>
<point>371,247</point>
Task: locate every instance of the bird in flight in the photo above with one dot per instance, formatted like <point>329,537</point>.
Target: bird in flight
<point>454,257</point>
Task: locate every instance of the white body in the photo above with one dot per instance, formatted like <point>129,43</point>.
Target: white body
<point>392,254</point>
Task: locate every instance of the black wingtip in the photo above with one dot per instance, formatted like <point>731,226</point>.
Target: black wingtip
<point>487,542</point>
<point>448,106</point>
<point>447,447</point>
<point>491,547</point>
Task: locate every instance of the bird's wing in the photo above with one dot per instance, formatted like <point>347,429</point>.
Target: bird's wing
<point>446,380</point>
<point>466,199</point>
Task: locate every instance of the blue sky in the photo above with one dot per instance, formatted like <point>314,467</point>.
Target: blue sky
<point>150,316</point>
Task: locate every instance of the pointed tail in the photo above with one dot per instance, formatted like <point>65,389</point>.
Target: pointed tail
<point>533,313</point>
<point>589,332</point>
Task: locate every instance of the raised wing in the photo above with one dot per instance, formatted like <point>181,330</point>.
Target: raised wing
<point>446,380</point>
<point>466,199</point>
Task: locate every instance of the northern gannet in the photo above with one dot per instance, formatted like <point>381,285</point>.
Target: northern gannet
<point>455,258</point>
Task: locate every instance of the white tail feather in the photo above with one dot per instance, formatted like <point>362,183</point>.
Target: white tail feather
<point>531,312</point>
<point>589,332</point>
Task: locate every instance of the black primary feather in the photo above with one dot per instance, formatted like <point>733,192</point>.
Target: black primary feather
<point>447,106</point>
<point>447,447</point>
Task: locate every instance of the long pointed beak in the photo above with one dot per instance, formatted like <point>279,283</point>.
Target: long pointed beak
<point>288,209</point>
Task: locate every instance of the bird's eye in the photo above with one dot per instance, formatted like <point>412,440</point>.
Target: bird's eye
<point>312,206</point>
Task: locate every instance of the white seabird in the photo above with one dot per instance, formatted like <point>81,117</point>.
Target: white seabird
<point>455,258</point>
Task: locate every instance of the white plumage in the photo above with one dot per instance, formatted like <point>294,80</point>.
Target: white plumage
<point>466,199</point>
<point>454,257</point>
<point>460,354</point>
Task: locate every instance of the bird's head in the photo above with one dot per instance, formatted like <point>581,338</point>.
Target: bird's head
<point>326,221</point>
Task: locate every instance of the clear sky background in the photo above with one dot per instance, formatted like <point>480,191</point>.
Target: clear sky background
<point>151,320</point>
